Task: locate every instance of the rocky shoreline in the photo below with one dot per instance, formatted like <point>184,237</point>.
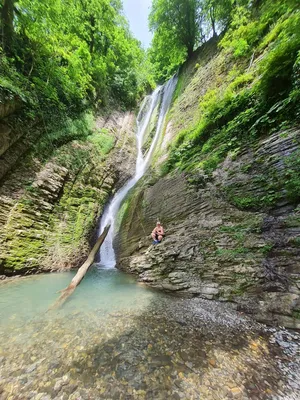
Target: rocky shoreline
<point>174,348</point>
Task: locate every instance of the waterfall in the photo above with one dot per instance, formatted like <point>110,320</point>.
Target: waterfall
<point>107,254</point>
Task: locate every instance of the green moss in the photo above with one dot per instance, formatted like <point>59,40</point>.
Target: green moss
<point>272,186</point>
<point>295,241</point>
<point>24,244</point>
<point>241,288</point>
<point>232,253</point>
<point>296,314</point>
<point>103,141</point>
<point>179,87</point>
<point>291,177</point>
<point>245,203</point>
<point>246,168</point>
<point>35,237</point>
<point>265,250</point>
<point>62,132</point>
<point>74,217</point>
<point>123,211</point>
<point>293,221</point>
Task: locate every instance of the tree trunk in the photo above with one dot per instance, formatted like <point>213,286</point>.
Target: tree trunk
<point>190,51</point>
<point>190,31</point>
<point>65,293</point>
<point>92,40</point>
<point>7,18</point>
<point>213,21</point>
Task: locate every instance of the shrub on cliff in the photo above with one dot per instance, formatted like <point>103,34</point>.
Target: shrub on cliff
<point>259,94</point>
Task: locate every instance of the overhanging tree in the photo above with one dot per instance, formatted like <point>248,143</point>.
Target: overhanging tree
<point>7,26</point>
<point>217,14</point>
<point>177,21</point>
<point>180,26</point>
<point>71,54</point>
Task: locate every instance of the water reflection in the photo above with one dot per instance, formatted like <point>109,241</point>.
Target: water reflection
<point>117,340</point>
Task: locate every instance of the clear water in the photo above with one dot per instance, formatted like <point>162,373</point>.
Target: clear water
<point>115,339</point>
<point>104,290</point>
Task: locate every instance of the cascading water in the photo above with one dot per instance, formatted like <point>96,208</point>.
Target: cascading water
<point>107,253</point>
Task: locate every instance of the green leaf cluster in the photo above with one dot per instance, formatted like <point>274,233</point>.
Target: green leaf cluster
<point>259,95</point>
<point>180,26</point>
<point>69,55</point>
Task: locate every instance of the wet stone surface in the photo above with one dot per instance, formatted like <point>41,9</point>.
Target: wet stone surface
<point>171,349</point>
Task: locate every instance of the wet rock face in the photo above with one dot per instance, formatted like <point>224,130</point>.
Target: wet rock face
<point>48,210</point>
<point>215,248</point>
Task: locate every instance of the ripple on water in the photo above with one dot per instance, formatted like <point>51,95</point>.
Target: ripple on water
<point>115,339</point>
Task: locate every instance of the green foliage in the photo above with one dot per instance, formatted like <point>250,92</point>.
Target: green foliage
<point>12,83</point>
<point>70,55</point>
<point>250,103</point>
<point>243,34</point>
<point>103,141</point>
<point>277,66</point>
<point>291,179</point>
<point>165,57</point>
<point>232,253</point>
<point>175,31</point>
<point>219,131</point>
<point>245,203</point>
<point>62,132</point>
<point>240,231</point>
<point>181,25</point>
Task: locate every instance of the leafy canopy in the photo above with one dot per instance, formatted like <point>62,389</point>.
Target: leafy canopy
<point>180,26</point>
<point>71,54</point>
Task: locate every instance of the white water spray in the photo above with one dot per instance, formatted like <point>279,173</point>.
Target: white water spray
<point>107,254</point>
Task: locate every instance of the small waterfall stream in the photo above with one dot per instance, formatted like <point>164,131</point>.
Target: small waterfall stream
<point>107,253</point>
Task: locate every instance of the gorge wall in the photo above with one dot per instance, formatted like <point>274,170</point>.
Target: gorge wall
<point>52,194</point>
<point>232,231</point>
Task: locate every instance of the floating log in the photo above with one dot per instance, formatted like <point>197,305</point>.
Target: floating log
<point>65,293</point>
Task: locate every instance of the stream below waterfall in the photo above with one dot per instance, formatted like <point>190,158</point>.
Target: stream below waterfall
<point>115,339</point>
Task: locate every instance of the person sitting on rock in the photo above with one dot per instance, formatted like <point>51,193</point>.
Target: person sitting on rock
<point>158,233</point>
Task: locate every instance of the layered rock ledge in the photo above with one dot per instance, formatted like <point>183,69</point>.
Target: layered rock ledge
<point>49,207</point>
<point>215,248</point>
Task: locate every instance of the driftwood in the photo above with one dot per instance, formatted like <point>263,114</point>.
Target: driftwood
<point>65,293</point>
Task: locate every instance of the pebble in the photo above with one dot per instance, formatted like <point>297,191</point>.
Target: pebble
<point>216,354</point>
<point>213,363</point>
<point>58,385</point>
<point>31,368</point>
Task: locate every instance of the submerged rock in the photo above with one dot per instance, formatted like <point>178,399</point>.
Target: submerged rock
<point>143,352</point>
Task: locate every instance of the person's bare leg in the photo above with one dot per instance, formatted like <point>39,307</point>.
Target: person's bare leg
<point>160,238</point>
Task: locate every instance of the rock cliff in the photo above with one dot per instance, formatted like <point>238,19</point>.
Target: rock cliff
<point>232,234</point>
<point>50,200</point>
